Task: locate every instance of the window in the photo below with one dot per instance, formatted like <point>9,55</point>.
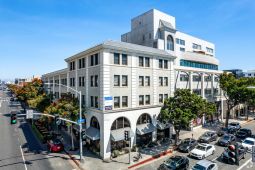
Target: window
<point>96,101</point>
<point>91,81</point>
<point>116,102</point>
<point>147,61</point>
<point>81,63</point>
<point>81,81</point>
<point>208,78</point>
<point>160,98</point>
<point>116,58</point>
<point>124,101</point>
<point>119,123</point>
<point>141,81</point>
<point>170,43</point>
<point>141,61</point>
<point>72,82</point>
<point>184,77</point>
<point>182,49</point>
<point>208,91</point>
<point>124,80</point>
<point>143,119</point>
<point>165,64</point>
<point>96,59</point>
<point>91,60</point>
<point>180,41</point>
<point>188,63</point>
<point>165,96</point>
<point>72,65</point>
<point>116,80</point>
<point>147,80</point>
<point>83,100</point>
<point>141,100</point>
<point>160,81</point>
<point>147,99</point>
<point>165,81</point>
<point>196,78</point>
<point>209,50</point>
<point>216,79</point>
<point>92,101</point>
<point>196,46</point>
<point>160,63</point>
<point>124,59</point>
<point>96,81</point>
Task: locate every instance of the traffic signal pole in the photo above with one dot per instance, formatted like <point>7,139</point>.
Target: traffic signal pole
<point>237,154</point>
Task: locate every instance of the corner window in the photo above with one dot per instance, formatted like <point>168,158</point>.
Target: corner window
<point>170,43</point>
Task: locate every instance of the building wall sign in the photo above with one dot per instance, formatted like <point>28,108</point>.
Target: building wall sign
<point>108,102</point>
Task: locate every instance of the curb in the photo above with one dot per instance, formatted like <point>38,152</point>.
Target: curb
<point>74,160</point>
<point>152,158</point>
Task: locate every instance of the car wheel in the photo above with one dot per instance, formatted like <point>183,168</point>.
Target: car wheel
<point>213,152</point>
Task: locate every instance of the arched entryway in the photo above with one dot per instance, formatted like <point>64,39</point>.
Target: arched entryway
<point>144,130</point>
<point>93,136</point>
<point>118,128</point>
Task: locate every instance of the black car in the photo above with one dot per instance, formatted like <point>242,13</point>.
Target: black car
<point>232,131</point>
<point>187,145</point>
<point>243,133</point>
<point>175,163</point>
<point>208,137</point>
<point>225,156</point>
<point>226,140</point>
<point>222,131</point>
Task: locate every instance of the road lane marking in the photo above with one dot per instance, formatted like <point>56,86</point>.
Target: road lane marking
<point>24,161</point>
<point>214,159</point>
<point>241,167</point>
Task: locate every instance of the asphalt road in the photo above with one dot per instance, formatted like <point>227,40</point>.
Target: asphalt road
<point>244,164</point>
<point>20,149</point>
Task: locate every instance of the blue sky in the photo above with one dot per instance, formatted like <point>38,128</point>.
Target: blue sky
<point>37,35</point>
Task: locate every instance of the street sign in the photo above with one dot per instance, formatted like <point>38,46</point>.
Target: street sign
<point>29,114</point>
<point>253,154</point>
<point>81,121</point>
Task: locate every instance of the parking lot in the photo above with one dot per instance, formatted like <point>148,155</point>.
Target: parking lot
<point>216,157</point>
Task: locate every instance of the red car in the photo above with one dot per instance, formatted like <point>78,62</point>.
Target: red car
<point>55,145</point>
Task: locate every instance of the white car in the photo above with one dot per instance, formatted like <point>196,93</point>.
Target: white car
<point>248,143</point>
<point>205,165</point>
<point>202,150</point>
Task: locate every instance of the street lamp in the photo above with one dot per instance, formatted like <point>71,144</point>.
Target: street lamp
<point>80,115</point>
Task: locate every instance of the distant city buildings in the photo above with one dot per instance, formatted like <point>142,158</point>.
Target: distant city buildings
<point>238,73</point>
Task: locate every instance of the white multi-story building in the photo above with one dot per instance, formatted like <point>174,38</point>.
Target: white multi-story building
<point>249,73</point>
<point>124,84</point>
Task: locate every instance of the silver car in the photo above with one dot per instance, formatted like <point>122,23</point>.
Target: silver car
<point>205,165</point>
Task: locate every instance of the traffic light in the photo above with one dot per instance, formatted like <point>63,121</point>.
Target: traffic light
<point>126,134</point>
<point>13,119</point>
<point>233,153</point>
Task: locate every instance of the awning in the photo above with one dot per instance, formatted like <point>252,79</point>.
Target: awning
<point>145,128</point>
<point>162,126</point>
<point>93,133</point>
<point>117,135</point>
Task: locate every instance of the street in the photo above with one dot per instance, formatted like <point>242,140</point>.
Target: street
<point>243,164</point>
<point>20,149</point>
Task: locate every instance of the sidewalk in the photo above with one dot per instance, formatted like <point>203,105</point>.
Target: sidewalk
<point>93,162</point>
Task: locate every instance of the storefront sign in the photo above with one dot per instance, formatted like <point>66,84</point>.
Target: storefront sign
<point>108,102</point>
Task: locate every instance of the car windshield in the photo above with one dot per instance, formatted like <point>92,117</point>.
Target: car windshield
<point>249,142</point>
<point>172,162</point>
<point>202,148</point>
<point>226,137</point>
<point>187,141</point>
<point>198,167</point>
<point>233,124</point>
<point>56,142</point>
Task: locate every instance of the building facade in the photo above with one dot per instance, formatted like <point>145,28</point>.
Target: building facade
<point>124,84</point>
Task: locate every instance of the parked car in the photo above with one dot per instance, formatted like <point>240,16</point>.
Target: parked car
<point>243,133</point>
<point>226,140</point>
<point>235,125</point>
<point>232,131</point>
<point>225,156</point>
<point>187,145</point>
<point>205,165</point>
<point>222,131</point>
<point>248,143</point>
<point>174,163</point>
<point>55,145</point>
<point>208,137</point>
<point>201,151</point>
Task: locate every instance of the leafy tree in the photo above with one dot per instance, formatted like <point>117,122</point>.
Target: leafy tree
<point>183,107</point>
<point>235,91</point>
